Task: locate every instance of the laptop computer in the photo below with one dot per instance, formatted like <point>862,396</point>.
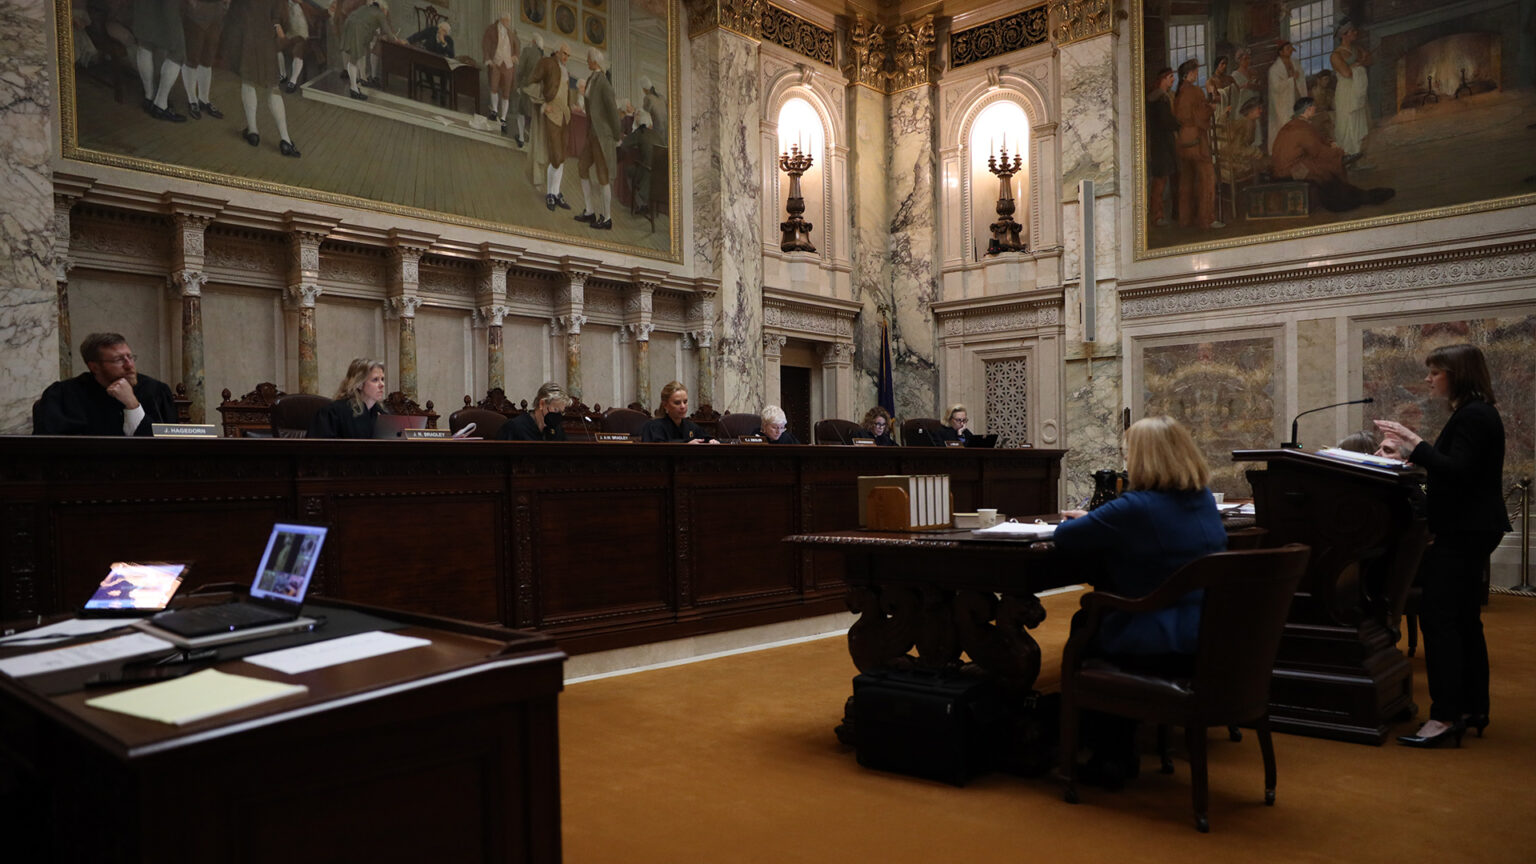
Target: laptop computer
<point>392,425</point>
<point>981,441</point>
<point>134,589</point>
<point>276,594</point>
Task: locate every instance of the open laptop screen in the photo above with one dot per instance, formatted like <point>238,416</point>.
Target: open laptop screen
<point>288,563</point>
<point>141,588</point>
<point>390,425</point>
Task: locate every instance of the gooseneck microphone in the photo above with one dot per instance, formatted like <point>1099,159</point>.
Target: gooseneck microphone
<point>586,423</point>
<point>1293,444</point>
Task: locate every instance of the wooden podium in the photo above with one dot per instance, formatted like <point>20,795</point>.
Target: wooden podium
<point>1339,673</point>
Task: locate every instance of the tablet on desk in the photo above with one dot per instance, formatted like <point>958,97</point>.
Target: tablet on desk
<point>135,589</point>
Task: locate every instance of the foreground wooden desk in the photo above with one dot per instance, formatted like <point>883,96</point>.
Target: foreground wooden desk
<point>602,545</point>
<point>442,753</point>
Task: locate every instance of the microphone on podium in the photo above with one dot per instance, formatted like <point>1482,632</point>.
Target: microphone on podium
<point>1293,444</point>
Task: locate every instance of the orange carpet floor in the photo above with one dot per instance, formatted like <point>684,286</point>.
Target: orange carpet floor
<point>734,760</point>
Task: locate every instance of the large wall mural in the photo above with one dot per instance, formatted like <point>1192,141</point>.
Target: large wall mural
<point>1277,119</point>
<point>503,114</point>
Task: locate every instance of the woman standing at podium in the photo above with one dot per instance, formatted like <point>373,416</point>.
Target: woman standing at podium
<point>358,403</point>
<point>1467,518</point>
<point>1166,519</point>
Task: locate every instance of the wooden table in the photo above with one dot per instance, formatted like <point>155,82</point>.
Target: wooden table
<point>457,77</point>
<point>441,753</point>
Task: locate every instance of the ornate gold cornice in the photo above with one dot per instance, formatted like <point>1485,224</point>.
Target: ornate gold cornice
<point>912,53</point>
<point>1076,20</point>
<point>890,59</point>
<point>1000,36</point>
<point>868,54</point>
<point>757,19</point>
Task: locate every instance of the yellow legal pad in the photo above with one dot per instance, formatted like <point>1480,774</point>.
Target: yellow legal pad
<point>194,697</point>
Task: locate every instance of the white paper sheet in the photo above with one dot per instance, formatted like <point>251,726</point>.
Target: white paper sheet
<point>1017,531</point>
<point>333,652</point>
<point>121,648</point>
<point>64,630</point>
<point>196,697</point>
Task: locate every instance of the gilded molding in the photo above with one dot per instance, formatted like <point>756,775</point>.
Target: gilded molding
<point>868,53</point>
<point>912,54</point>
<point>1000,36</point>
<point>757,19</point>
<point>1076,20</point>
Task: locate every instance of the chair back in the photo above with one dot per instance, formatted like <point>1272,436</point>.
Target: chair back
<point>737,425</point>
<point>291,414</point>
<point>487,422</point>
<point>922,432</point>
<point>625,421</point>
<point>835,431</point>
<point>1248,596</point>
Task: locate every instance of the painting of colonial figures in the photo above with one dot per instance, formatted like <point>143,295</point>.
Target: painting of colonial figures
<point>480,111</point>
<point>1263,118</point>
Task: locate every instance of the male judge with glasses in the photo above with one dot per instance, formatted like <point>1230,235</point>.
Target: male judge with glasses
<point>112,398</point>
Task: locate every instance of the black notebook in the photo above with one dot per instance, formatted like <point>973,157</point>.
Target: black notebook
<point>276,595</point>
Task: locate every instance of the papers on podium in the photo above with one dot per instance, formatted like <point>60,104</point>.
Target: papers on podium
<point>1362,458</point>
<point>196,697</point>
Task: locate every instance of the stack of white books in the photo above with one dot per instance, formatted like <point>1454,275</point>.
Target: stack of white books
<point>928,498</point>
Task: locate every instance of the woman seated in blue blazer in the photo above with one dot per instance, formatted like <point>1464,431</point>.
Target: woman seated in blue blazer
<point>1165,519</point>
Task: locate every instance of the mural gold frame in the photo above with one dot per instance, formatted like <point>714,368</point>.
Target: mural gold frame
<point>1139,179</point>
<point>70,149</point>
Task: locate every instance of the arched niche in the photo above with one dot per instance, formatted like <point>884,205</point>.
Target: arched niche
<point>826,207</point>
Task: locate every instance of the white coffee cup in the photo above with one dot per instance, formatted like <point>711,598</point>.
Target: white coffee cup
<point>988,516</point>
<point>1220,497</point>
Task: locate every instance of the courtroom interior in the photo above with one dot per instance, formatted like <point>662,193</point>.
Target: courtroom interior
<point>1053,218</point>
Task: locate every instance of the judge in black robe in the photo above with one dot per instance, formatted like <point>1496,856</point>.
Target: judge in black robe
<point>524,427</point>
<point>662,430</point>
<point>82,406</point>
<point>340,420</point>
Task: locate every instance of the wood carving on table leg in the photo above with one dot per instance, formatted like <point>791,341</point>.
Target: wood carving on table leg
<point>887,628</point>
<point>1003,648</point>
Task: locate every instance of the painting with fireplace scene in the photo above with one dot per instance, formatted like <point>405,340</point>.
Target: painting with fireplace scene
<point>1262,117</point>
<point>467,110</point>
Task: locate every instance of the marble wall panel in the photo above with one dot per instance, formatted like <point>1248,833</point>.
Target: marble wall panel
<point>130,305</point>
<point>727,197</point>
<point>526,345</point>
<point>1317,385</point>
<point>240,328</point>
<point>597,347</point>
<point>1088,115</point>
<point>344,331</point>
<point>666,361</point>
<point>28,295</point>
<point>1392,372</point>
<point>869,213</point>
<point>1225,392</point>
<point>1093,421</point>
<point>443,358</point>
<point>914,251</point>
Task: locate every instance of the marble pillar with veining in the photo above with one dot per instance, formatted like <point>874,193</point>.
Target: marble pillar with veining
<point>727,201</point>
<point>642,362</point>
<point>1087,132</point>
<point>188,285</point>
<point>62,205</point>
<point>303,296</point>
<point>406,307</point>
<point>871,218</point>
<point>29,295</point>
<point>573,354</point>
<point>495,359</point>
<point>706,393</point>
<point>913,251</point>
<point>1093,424</point>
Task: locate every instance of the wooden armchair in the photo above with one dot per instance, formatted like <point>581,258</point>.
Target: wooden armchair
<point>737,425</point>
<point>624,421</point>
<point>250,416</point>
<point>396,403</point>
<point>835,431</point>
<point>487,422</point>
<point>291,414</point>
<point>922,432</point>
<point>1247,597</point>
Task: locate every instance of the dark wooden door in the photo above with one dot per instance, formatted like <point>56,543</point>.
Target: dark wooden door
<point>795,393</point>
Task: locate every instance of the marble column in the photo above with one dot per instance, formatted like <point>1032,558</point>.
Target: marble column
<point>188,286</point>
<point>869,211</point>
<point>571,324</point>
<point>28,287</point>
<point>570,310</point>
<point>304,296</point>
<point>837,379</point>
<point>727,201</point>
<point>643,393</point>
<point>773,357</point>
<point>406,308</point>
<point>63,203</point>
<point>913,251</point>
<point>706,395</point>
<point>495,362</point>
<point>638,305</point>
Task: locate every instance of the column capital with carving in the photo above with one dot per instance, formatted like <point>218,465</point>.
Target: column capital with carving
<point>494,313</point>
<point>302,295</point>
<point>836,353</point>
<point>1076,20</point>
<point>742,17</point>
<point>187,283</point>
<point>705,338</point>
<point>404,306</point>
<point>642,331</point>
<point>773,344</point>
<point>911,47</point>
<point>869,54</point>
<point>571,323</point>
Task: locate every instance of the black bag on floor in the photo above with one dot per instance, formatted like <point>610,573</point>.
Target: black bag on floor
<point>942,727</point>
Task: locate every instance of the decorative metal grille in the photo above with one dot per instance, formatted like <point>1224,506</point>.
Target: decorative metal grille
<point>999,36</point>
<point>1008,400</point>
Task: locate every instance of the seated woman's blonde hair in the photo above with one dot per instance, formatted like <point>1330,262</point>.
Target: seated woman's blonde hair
<point>1161,455</point>
<point>351,387</point>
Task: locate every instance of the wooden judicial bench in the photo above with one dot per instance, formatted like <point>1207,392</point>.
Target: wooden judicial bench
<point>602,545</point>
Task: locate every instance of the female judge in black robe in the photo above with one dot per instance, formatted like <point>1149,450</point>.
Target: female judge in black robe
<point>1467,518</point>
<point>358,403</point>
<point>673,425</point>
